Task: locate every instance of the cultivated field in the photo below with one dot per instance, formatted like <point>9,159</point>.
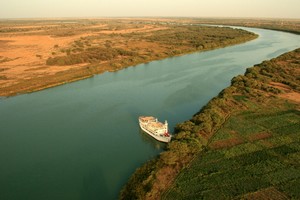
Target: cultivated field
<point>255,154</point>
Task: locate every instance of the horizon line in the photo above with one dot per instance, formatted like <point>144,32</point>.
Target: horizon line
<point>144,17</point>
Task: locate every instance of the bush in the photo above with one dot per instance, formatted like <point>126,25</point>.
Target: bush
<point>90,55</point>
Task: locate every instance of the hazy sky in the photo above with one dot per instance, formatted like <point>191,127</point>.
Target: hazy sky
<point>117,8</point>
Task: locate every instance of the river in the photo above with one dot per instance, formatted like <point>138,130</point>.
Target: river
<point>82,140</point>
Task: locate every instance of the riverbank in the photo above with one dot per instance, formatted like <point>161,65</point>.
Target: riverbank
<point>285,25</point>
<point>270,89</point>
<point>36,55</point>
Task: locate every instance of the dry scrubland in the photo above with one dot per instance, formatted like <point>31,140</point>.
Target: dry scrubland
<point>243,144</point>
<point>38,54</point>
<point>286,25</point>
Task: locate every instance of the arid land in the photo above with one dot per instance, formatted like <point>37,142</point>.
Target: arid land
<point>38,54</point>
<point>286,25</point>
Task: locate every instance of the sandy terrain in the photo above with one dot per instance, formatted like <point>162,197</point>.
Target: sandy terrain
<point>288,92</point>
<point>26,55</point>
<point>144,29</point>
<point>293,96</point>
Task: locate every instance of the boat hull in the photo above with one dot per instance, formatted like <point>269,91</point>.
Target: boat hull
<point>162,137</point>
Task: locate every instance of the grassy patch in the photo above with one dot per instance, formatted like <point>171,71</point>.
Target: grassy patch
<point>252,168</point>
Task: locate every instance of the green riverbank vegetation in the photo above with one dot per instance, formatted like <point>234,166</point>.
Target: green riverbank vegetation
<point>125,49</point>
<point>243,144</point>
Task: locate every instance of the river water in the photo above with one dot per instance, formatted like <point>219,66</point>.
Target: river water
<point>82,140</point>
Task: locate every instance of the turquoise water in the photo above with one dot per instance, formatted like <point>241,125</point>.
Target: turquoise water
<point>82,140</point>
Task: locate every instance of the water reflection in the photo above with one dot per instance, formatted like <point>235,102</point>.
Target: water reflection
<point>150,140</point>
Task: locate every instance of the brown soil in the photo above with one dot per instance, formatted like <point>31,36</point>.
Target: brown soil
<point>24,51</point>
<point>288,92</point>
<point>221,144</point>
<point>259,136</point>
<point>145,29</point>
<point>267,193</point>
<point>292,96</point>
<point>281,86</point>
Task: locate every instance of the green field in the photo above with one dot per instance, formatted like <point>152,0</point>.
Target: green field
<point>266,159</point>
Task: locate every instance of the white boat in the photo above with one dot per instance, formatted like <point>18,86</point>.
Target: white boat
<point>155,128</point>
